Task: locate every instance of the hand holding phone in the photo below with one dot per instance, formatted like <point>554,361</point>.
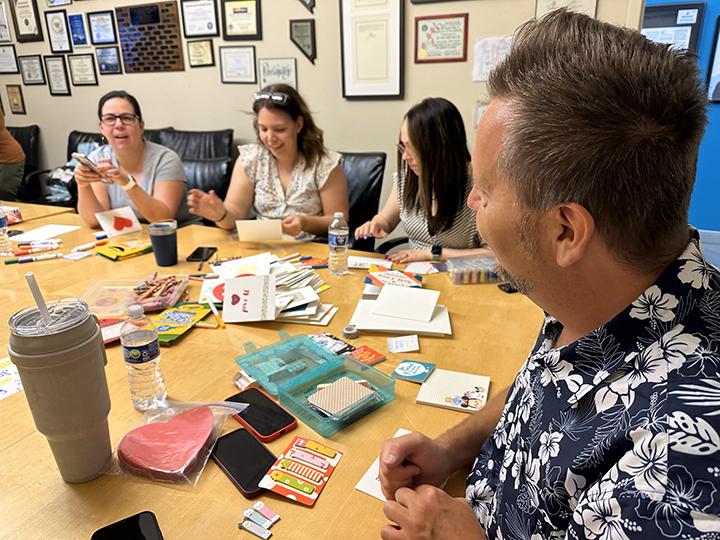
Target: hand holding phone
<point>87,162</point>
<point>244,459</point>
<point>264,418</point>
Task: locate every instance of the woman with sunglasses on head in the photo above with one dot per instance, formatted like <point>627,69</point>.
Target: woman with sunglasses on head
<point>431,188</point>
<point>289,175</point>
<point>130,170</point>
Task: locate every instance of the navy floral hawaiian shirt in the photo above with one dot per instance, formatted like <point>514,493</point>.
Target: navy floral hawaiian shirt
<point>617,435</point>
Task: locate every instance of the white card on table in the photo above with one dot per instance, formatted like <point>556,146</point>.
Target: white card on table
<point>355,261</point>
<point>406,303</point>
<point>254,264</point>
<point>421,268</point>
<point>300,297</point>
<point>249,298</point>
<point>370,482</point>
<point>118,221</point>
<point>46,232</point>
<point>403,344</point>
<point>259,230</point>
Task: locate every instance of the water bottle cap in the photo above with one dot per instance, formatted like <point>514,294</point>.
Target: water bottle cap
<point>135,311</point>
<point>338,215</point>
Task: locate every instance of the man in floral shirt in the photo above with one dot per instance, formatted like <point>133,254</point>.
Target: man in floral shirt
<point>583,168</point>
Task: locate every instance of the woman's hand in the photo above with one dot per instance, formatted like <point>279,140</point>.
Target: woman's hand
<point>372,228</point>
<point>293,225</point>
<point>207,205</point>
<point>405,256</point>
<point>84,176</point>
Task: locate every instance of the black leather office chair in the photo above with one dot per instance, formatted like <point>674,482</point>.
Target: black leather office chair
<point>29,139</point>
<point>364,172</point>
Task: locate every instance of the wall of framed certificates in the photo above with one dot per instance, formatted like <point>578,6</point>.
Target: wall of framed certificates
<point>196,64</point>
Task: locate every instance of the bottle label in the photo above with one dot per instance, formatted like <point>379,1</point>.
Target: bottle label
<point>337,240</point>
<point>142,353</point>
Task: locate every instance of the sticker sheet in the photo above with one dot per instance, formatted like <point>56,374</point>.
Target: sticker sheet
<point>302,470</point>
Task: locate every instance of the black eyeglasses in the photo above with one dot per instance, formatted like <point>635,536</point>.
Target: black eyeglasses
<point>126,119</point>
<point>276,97</point>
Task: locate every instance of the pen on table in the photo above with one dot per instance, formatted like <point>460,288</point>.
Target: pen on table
<point>200,265</point>
<point>200,277</point>
<point>89,245</point>
<point>213,308</point>
<point>37,243</point>
<point>21,260</point>
<point>38,249</point>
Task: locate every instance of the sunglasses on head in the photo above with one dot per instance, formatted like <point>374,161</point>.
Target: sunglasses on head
<point>275,97</point>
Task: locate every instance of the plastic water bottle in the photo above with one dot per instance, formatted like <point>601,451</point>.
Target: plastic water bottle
<point>5,249</point>
<point>141,351</point>
<point>338,238</point>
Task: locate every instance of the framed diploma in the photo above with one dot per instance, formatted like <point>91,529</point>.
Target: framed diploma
<point>78,30</point>
<point>441,38</point>
<point>26,20</point>
<point>31,69</point>
<point>15,98</point>
<point>302,34</point>
<point>57,75</point>
<point>371,40</point>
<point>102,27</point>
<point>200,53</point>
<point>82,69</point>
<point>5,36</point>
<point>277,71</point>
<point>242,20</point>
<point>237,65</point>
<point>199,18</point>
<point>108,59</point>
<point>58,31</point>
<point>8,60</point>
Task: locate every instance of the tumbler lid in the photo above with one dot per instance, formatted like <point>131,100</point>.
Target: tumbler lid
<point>64,314</point>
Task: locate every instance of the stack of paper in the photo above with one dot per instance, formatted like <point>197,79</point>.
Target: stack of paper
<point>380,275</point>
<point>454,390</point>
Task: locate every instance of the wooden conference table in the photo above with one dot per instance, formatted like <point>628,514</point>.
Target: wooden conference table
<point>32,212</point>
<point>492,333</point>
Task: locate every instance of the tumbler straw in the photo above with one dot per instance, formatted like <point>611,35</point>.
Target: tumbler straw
<point>37,295</point>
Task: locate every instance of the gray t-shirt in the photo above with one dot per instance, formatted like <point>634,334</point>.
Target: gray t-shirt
<point>160,164</point>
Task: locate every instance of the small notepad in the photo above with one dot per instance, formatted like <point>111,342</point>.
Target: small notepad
<point>340,395</point>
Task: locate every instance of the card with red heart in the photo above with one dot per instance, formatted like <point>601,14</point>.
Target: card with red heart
<point>249,298</point>
<point>118,221</point>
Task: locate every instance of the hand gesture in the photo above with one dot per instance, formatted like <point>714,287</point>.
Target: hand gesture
<point>371,228</point>
<point>293,225</point>
<point>207,205</point>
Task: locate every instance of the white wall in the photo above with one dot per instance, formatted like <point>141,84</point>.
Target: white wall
<point>195,99</point>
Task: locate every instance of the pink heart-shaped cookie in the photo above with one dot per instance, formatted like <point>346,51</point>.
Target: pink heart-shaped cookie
<point>166,450</point>
<point>120,223</point>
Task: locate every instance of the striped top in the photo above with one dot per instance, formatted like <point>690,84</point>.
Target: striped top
<point>462,235</point>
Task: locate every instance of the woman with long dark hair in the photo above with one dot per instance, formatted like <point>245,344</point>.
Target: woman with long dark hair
<point>288,174</point>
<point>431,187</point>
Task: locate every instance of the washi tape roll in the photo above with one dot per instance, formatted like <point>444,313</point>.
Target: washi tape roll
<point>350,331</point>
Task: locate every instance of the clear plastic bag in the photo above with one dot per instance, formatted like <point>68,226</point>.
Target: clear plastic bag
<point>172,444</point>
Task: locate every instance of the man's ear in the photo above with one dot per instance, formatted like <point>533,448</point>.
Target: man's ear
<point>572,227</point>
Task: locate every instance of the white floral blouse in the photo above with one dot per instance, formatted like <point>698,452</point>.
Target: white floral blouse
<point>615,436</point>
<point>303,191</point>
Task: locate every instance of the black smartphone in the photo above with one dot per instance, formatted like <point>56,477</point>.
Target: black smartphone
<point>264,418</point>
<point>506,287</point>
<point>13,232</point>
<point>201,254</point>
<point>142,526</point>
<point>244,460</point>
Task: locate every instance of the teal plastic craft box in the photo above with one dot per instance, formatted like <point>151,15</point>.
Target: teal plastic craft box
<point>293,368</point>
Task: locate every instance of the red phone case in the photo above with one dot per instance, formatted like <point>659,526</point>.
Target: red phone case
<point>272,436</point>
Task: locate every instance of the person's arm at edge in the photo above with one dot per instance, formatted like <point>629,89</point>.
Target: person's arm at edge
<point>239,198</point>
<point>387,219</point>
<point>334,198</point>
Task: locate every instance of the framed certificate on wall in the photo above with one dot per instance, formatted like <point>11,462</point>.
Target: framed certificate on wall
<point>102,27</point>
<point>57,75</point>
<point>8,60</point>
<point>237,65</point>
<point>82,69</point>
<point>199,18</point>
<point>58,31</point>
<point>242,20</point>
<point>26,20</point>
<point>31,69</point>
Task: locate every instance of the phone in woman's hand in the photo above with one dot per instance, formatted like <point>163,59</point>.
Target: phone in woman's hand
<point>87,162</point>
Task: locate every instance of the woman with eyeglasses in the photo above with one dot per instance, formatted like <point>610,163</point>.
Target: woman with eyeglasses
<point>131,171</point>
<point>431,188</point>
<point>289,175</point>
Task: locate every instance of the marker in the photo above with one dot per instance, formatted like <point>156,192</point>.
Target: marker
<point>38,243</point>
<point>21,260</point>
<point>89,245</point>
<point>28,251</point>
<point>213,308</point>
<point>205,276</point>
<point>100,235</point>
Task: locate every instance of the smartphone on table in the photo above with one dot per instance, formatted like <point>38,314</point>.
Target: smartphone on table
<point>244,460</point>
<point>142,526</point>
<point>87,162</point>
<point>201,254</point>
<point>264,418</point>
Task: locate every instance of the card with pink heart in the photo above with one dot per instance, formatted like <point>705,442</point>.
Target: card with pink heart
<point>118,221</point>
<point>249,298</point>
